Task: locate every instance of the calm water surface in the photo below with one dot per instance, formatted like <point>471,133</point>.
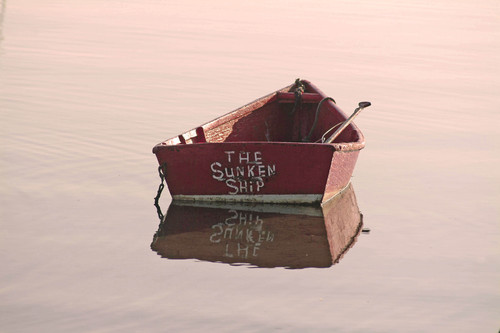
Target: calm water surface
<point>88,87</point>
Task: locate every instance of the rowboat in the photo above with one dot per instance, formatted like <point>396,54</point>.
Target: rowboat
<point>260,234</point>
<point>280,148</point>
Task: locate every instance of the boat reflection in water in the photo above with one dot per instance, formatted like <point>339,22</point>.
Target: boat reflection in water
<point>262,235</point>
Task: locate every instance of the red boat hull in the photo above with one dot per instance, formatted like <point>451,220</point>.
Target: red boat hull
<point>266,172</point>
<point>249,155</point>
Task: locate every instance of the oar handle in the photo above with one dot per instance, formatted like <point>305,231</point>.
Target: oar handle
<point>346,123</point>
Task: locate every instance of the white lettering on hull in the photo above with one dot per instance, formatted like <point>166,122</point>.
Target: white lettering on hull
<point>248,177</point>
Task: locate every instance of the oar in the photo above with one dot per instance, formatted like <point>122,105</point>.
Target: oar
<point>346,123</point>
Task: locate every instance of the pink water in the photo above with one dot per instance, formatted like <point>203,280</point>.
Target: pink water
<point>88,87</point>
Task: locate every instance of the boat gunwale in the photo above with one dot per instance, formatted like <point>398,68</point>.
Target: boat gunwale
<point>339,147</point>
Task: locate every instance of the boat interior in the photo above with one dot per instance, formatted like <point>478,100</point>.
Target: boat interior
<point>283,116</point>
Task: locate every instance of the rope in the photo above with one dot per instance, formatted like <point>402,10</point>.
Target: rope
<point>318,109</point>
<point>299,90</point>
<point>160,189</point>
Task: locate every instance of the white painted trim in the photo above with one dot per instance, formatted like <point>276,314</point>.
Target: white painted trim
<point>265,198</point>
<point>308,210</point>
